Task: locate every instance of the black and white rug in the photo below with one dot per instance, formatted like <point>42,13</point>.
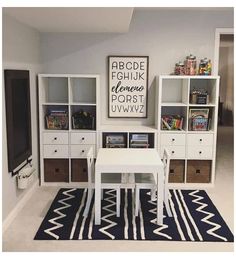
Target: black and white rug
<point>195,218</point>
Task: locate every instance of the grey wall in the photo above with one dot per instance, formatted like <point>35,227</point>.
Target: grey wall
<point>167,36</point>
<point>20,51</point>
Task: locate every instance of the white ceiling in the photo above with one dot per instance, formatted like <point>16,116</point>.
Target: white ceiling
<point>73,19</point>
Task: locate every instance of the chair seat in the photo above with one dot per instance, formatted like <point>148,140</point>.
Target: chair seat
<point>144,179</point>
<point>111,178</point>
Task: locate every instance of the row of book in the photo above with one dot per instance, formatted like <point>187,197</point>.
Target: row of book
<point>199,120</point>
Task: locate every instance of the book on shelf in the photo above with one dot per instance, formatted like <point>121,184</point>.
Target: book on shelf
<point>172,122</point>
<point>199,119</point>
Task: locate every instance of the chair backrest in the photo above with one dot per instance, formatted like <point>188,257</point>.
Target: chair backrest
<point>90,166</point>
<point>166,162</point>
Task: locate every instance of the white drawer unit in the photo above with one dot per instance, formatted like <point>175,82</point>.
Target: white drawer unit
<point>200,152</point>
<point>200,139</point>
<point>172,139</point>
<point>55,138</point>
<point>55,151</point>
<point>176,152</point>
<point>85,138</point>
<point>80,151</point>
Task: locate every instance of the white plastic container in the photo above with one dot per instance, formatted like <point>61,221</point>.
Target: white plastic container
<point>24,176</point>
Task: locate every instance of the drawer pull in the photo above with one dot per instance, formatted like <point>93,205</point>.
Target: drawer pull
<point>200,152</point>
<point>82,138</point>
<point>198,171</point>
<point>172,171</point>
<point>57,170</point>
<point>82,151</point>
<point>55,151</point>
<point>200,140</point>
<point>173,139</point>
<point>55,138</point>
<point>172,151</point>
<point>84,170</point>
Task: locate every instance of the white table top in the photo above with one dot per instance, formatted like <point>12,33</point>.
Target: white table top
<point>127,160</point>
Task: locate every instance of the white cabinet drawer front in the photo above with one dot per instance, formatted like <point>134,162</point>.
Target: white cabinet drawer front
<point>83,138</point>
<point>200,139</point>
<point>172,139</point>
<point>55,151</point>
<point>55,138</point>
<point>80,151</point>
<point>174,151</point>
<point>199,152</point>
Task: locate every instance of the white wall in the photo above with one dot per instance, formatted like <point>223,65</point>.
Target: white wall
<point>20,51</point>
<point>167,36</point>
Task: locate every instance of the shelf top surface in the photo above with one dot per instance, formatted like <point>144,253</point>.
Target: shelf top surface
<point>188,77</point>
<point>128,128</point>
<point>70,75</point>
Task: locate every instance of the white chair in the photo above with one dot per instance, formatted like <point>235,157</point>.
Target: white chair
<point>149,181</point>
<point>109,181</point>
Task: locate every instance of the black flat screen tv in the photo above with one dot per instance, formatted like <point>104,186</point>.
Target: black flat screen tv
<point>18,117</point>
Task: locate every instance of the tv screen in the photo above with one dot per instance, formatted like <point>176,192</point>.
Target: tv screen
<point>18,117</point>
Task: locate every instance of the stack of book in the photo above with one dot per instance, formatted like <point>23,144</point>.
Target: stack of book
<point>57,119</point>
<point>172,122</point>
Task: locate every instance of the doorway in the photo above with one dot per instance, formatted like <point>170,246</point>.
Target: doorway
<point>224,67</point>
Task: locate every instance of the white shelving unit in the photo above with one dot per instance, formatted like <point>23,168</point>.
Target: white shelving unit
<point>193,152</point>
<point>63,151</point>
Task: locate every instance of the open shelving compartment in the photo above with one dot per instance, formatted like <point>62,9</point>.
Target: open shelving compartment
<point>54,90</point>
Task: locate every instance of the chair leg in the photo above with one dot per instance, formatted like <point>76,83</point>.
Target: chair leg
<point>167,204</point>
<point>101,194</point>
<point>153,194</point>
<point>118,202</point>
<point>88,202</point>
<point>137,201</point>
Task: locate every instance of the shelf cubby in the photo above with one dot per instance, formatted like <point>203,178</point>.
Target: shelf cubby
<point>54,90</point>
<point>83,90</point>
<point>175,91</point>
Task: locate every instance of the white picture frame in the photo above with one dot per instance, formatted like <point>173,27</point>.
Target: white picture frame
<point>127,86</point>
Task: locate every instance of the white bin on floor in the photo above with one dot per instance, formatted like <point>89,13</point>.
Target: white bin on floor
<point>24,177</point>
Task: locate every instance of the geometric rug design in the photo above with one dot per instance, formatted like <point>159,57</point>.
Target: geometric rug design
<point>195,218</point>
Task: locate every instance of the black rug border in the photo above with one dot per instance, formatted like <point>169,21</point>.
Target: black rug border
<point>131,240</point>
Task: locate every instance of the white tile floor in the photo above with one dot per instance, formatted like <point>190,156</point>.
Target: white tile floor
<point>19,236</point>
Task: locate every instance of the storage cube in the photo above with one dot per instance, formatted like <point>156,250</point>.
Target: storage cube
<point>56,170</point>
<point>199,171</point>
<point>79,171</point>
<point>176,174</point>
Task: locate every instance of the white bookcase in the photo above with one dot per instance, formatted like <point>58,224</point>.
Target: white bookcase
<point>193,152</point>
<point>63,150</point>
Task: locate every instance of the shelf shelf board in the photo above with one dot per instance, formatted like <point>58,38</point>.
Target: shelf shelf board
<point>80,130</point>
<point>200,131</point>
<point>85,104</point>
<point>55,130</point>
<point>51,103</point>
<point>173,104</point>
<point>202,105</point>
<point>173,131</point>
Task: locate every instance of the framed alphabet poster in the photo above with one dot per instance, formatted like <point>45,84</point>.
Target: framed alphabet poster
<point>127,86</point>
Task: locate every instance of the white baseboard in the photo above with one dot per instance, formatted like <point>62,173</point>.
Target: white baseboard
<point>19,206</point>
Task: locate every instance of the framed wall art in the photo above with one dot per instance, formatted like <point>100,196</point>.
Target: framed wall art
<point>127,86</point>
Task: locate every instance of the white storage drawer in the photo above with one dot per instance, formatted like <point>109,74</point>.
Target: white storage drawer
<point>55,138</point>
<point>175,151</point>
<point>83,138</point>
<point>200,152</point>
<point>55,151</point>
<point>200,139</point>
<point>172,139</point>
<point>80,151</point>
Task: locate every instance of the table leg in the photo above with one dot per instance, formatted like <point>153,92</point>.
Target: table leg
<point>97,198</point>
<point>160,197</point>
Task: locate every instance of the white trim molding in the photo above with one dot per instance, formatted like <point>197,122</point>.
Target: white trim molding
<point>19,206</point>
<point>218,32</point>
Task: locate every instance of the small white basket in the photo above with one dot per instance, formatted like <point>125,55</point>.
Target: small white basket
<point>24,176</point>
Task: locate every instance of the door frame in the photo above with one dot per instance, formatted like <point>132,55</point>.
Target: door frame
<point>218,32</point>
